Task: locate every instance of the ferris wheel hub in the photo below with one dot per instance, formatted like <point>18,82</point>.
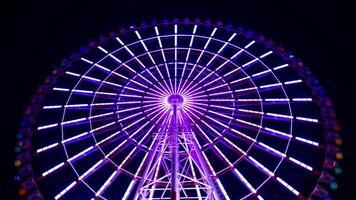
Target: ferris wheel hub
<point>175,99</point>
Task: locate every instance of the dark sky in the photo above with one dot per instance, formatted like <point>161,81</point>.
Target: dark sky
<point>36,36</point>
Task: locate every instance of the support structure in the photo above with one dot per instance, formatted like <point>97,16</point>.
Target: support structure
<point>178,169</point>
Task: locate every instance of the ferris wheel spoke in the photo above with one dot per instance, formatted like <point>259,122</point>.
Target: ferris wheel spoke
<point>186,59</point>
<point>154,63</point>
<point>164,57</point>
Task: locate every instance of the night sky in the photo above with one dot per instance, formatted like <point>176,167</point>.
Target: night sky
<point>35,37</point>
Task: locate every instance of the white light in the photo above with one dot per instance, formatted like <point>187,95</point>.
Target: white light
<point>91,78</point>
<point>118,39</point>
<point>238,80</point>
<point>80,153</point>
<point>47,126</point>
<point>272,149</point>
<point>74,121</point>
<point>246,89</point>
<point>266,54</point>
<point>65,190</point>
<point>249,44</point>
<point>90,169</point>
<point>302,99</point>
<point>52,107</point>
<point>307,119</point>
<point>127,193</point>
<point>156,29</point>
<point>195,29</point>
<point>102,67</point>
<point>278,132</point>
<point>73,74</point>
<point>280,67</point>
<point>251,111</point>
<point>248,123</point>
<point>206,45</point>
<point>232,37</point>
<point>243,179</point>
<point>101,127</point>
<point>76,105</point>
<point>260,73</point>
<point>138,35</point>
<point>52,169</point>
<point>277,99</point>
<point>86,60</point>
<point>236,54</point>
<point>288,186</point>
<point>292,82</point>
<point>47,147</point>
<point>61,89</point>
<point>307,141</point>
<point>301,164</point>
<point>271,85</point>
<point>232,71</point>
<point>279,115</point>
<point>213,33</point>
<point>107,93</point>
<point>102,49</point>
<point>116,59</point>
<point>74,137</point>
<point>219,93</point>
<point>222,189</point>
<point>261,166</point>
<point>82,91</point>
<point>249,100</point>
<point>102,104</point>
<point>101,115</point>
<point>248,63</point>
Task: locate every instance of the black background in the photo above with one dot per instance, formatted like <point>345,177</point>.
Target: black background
<point>36,36</point>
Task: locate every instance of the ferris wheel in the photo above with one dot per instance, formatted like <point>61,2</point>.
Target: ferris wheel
<point>179,110</point>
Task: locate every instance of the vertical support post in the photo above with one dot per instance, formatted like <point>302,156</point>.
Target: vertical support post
<point>173,131</point>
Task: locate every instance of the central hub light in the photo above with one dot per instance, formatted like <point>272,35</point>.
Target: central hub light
<point>175,99</point>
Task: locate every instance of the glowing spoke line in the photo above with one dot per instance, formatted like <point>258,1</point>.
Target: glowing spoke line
<point>113,72</point>
<point>256,163</point>
<point>154,62</point>
<point>98,165</point>
<point>164,58</point>
<point>186,59</point>
<point>86,151</point>
<point>197,61</point>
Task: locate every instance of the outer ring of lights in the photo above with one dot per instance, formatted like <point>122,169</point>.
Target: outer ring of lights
<point>23,148</point>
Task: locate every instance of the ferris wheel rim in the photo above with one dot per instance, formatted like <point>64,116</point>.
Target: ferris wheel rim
<point>143,71</point>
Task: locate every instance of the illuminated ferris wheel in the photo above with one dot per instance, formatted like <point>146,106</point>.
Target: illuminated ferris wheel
<point>179,110</point>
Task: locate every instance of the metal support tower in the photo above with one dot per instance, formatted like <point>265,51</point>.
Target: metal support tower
<point>177,168</point>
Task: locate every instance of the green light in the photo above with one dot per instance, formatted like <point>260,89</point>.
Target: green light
<point>338,170</point>
<point>17,149</point>
<point>333,185</point>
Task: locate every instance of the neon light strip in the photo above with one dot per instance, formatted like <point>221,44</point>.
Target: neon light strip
<point>52,169</point>
<point>307,119</point>
<point>243,179</point>
<point>307,141</point>
<point>65,190</point>
<point>266,54</point>
<point>47,147</point>
<point>47,126</point>
<point>301,164</point>
<point>74,137</point>
<point>272,149</point>
<point>294,191</point>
